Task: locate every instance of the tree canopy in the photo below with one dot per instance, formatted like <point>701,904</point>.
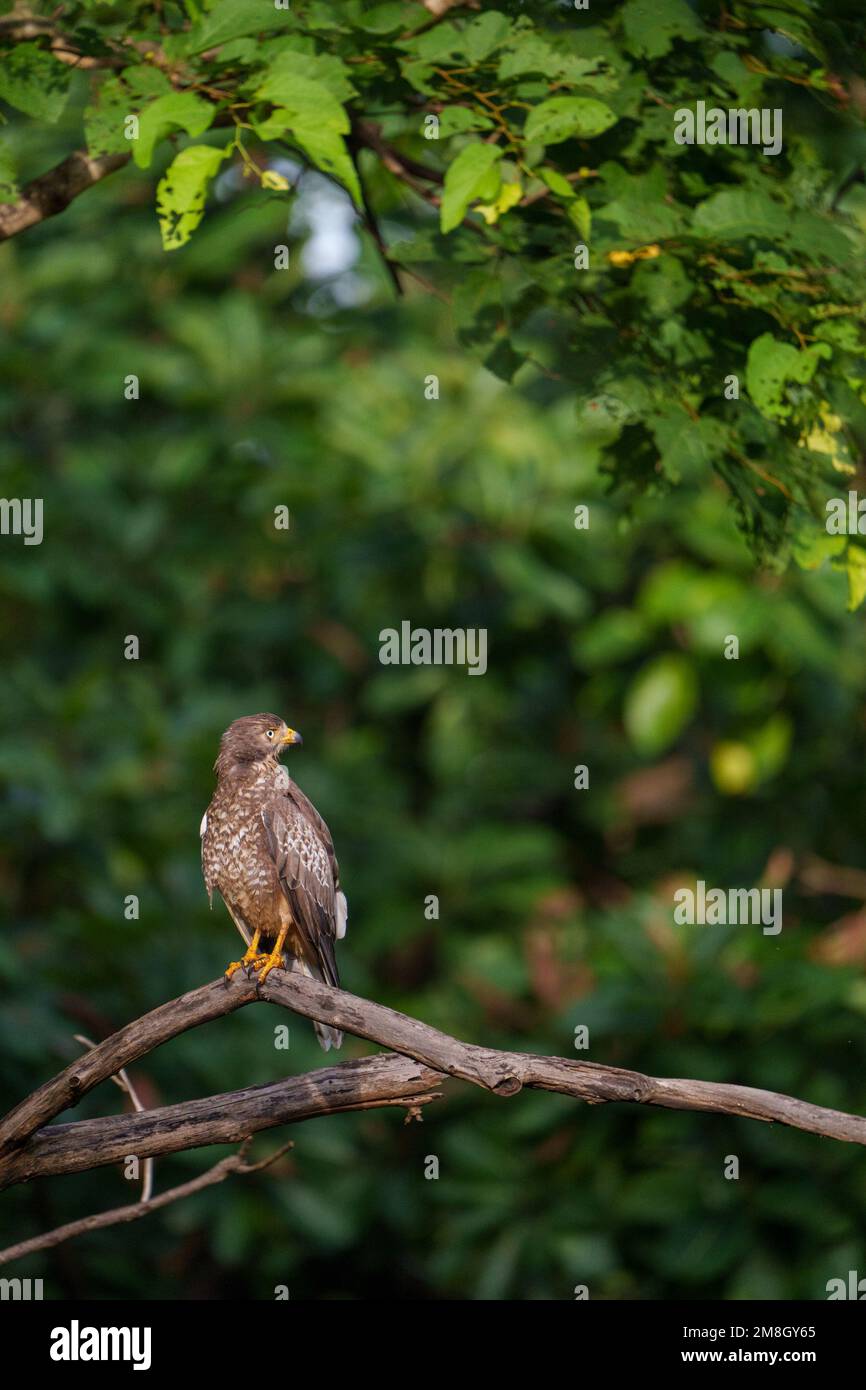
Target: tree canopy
<point>701,303</point>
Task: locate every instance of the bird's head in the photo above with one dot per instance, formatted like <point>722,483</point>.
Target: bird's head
<point>253,739</point>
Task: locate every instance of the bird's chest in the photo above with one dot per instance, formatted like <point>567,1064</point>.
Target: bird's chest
<point>234,848</point>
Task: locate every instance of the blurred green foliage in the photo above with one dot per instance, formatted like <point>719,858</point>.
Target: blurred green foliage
<point>606,646</point>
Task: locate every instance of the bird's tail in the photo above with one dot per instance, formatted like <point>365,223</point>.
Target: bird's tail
<point>328,1037</point>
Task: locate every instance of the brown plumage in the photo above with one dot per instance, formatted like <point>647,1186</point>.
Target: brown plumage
<point>270,854</point>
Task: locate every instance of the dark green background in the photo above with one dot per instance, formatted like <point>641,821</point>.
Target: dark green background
<point>555,904</point>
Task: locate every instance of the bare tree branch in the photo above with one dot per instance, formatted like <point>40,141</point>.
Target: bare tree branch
<point>52,192</point>
<point>352,1085</point>
<point>107,1058</point>
<point>235,1163</point>
<point>365,1084</point>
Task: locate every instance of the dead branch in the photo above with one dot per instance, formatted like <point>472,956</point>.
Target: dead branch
<point>364,1084</point>
<point>235,1163</point>
<point>352,1085</point>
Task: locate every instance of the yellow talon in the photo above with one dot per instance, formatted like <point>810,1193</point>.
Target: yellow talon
<point>250,957</point>
<point>272,962</point>
<point>275,959</point>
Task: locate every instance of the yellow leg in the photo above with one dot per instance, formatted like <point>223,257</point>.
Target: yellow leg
<point>275,959</point>
<point>251,955</point>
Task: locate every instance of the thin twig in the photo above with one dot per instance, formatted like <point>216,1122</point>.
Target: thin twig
<point>235,1163</point>
<point>123,1081</point>
<point>373,226</point>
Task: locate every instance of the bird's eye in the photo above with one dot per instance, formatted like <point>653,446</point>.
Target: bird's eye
<point>270,733</point>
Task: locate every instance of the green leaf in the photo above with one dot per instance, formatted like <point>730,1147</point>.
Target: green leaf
<point>563,118</point>
<point>320,16</point>
<point>311,113</point>
<point>855,565</point>
<point>580,214</point>
<point>181,192</point>
<point>234,19</point>
<point>104,119</point>
<point>456,120</point>
<point>735,214</point>
<point>660,702</point>
<point>613,637</point>
<point>771,743</point>
<point>393,15</point>
<point>771,364</point>
<point>117,98</point>
<point>652,25</point>
<point>482,319</point>
<point>436,44</point>
<point>145,81</point>
<point>530,53</point>
<point>465,180</point>
<point>9,190</point>
<point>177,110</point>
<point>291,66</point>
<point>688,448</point>
<point>538,588</point>
<point>739,212</point>
<point>811,545</point>
<point>484,34</point>
<point>640,206</point>
<point>34,82</point>
<point>556,182</point>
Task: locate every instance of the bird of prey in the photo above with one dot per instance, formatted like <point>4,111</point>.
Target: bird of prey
<point>270,854</point>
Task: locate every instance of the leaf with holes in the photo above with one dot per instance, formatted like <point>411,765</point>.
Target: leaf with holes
<point>181,192</point>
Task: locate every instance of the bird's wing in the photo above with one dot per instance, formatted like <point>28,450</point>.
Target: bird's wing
<point>301,848</point>
<point>308,809</point>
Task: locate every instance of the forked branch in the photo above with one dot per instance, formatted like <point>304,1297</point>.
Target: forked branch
<point>28,1149</point>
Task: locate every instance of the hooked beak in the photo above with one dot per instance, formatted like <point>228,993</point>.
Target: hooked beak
<point>291,736</point>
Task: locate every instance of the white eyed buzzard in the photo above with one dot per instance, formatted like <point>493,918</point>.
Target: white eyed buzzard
<point>270,854</point>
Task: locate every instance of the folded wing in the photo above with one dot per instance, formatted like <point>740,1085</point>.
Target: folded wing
<point>302,850</point>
